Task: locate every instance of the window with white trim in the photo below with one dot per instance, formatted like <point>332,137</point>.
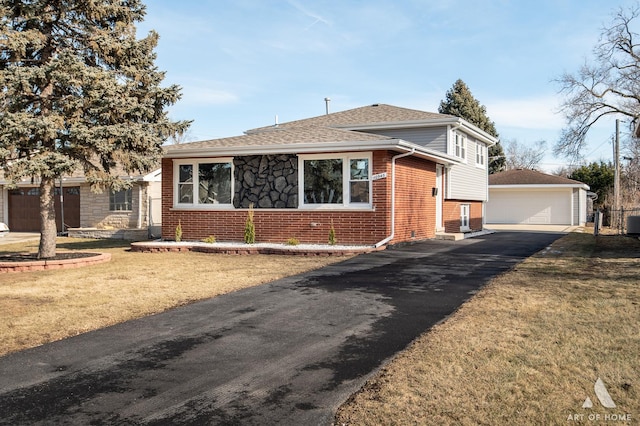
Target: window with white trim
<point>460,145</point>
<point>335,180</point>
<point>204,183</point>
<point>481,156</point>
<point>121,200</point>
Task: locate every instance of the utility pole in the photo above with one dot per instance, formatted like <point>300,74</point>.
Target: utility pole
<point>616,164</point>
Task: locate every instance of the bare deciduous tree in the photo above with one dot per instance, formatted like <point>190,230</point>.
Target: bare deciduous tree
<point>521,156</point>
<point>610,85</point>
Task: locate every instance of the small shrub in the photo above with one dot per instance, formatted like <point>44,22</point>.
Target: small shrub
<point>179,232</point>
<point>332,235</point>
<point>293,242</point>
<point>249,227</point>
<point>209,240</point>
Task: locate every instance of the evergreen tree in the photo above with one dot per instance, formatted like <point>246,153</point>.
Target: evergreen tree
<point>460,102</point>
<point>599,177</point>
<point>79,92</point>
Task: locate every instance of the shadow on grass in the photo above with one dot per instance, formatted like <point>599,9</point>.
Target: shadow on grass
<point>92,244</point>
<point>617,247</point>
<point>67,244</point>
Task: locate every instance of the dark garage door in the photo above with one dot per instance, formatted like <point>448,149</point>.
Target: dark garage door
<point>24,209</point>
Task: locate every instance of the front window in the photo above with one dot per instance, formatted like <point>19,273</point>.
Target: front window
<point>204,183</point>
<point>339,180</point>
<point>214,183</point>
<point>323,181</point>
<point>185,184</point>
<point>359,180</point>
<point>120,200</point>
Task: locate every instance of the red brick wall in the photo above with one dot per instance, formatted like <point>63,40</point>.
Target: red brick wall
<point>415,205</point>
<point>451,215</point>
<point>415,212</point>
<point>278,225</point>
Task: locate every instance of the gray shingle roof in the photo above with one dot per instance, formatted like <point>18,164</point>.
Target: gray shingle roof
<point>367,115</point>
<point>328,131</point>
<point>278,135</point>
<point>529,177</point>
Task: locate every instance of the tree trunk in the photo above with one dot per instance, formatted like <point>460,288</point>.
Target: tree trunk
<point>48,231</point>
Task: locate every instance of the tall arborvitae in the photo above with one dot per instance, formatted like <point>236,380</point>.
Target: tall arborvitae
<point>79,92</point>
<point>460,102</point>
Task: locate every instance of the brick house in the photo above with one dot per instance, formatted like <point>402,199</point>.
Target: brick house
<point>378,174</point>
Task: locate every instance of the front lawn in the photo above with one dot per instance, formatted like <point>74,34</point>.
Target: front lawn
<point>40,307</point>
<point>527,349</point>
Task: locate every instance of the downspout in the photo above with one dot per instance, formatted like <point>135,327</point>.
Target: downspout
<point>393,197</point>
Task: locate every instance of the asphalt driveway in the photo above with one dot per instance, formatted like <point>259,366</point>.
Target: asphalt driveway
<point>289,352</point>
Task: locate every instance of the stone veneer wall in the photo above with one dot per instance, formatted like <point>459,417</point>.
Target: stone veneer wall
<point>3,194</point>
<point>266,181</point>
<point>95,213</point>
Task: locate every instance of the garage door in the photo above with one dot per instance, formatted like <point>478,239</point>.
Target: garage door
<point>529,207</point>
<point>24,209</point>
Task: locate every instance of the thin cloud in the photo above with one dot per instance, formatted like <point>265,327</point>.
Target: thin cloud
<point>317,18</point>
<point>197,93</point>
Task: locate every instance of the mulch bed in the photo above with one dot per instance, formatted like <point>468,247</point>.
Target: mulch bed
<point>31,257</point>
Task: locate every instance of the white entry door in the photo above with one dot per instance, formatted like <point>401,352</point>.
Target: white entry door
<point>464,217</point>
<point>439,198</point>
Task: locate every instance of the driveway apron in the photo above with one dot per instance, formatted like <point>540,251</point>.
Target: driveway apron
<point>289,352</point>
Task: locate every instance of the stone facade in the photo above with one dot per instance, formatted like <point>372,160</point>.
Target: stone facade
<point>266,181</point>
<point>3,195</point>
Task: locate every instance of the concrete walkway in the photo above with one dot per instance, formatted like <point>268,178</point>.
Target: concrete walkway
<point>289,352</point>
<point>18,237</point>
<point>533,228</point>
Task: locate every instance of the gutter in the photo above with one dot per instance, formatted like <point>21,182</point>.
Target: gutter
<point>393,197</point>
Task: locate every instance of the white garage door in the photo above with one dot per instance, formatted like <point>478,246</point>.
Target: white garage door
<point>529,207</point>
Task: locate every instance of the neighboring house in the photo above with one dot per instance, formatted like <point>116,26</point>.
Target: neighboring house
<point>530,197</point>
<point>378,174</point>
<point>121,214</point>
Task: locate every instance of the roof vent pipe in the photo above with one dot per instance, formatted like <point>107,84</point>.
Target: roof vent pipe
<point>326,102</point>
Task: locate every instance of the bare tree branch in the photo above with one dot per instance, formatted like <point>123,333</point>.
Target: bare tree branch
<point>521,156</point>
<point>608,86</point>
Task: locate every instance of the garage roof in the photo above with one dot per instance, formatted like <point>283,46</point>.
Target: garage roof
<point>530,177</point>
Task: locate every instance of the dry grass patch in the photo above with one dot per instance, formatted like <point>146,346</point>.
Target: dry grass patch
<point>526,350</point>
<point>40,307</point>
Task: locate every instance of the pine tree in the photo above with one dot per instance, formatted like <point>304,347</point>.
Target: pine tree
<point>79,92</point>
<point>460,102</point>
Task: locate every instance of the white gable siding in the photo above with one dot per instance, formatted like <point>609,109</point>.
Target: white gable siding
<point>434,137</point>
<point>464,181</point>
<point>468,181</point>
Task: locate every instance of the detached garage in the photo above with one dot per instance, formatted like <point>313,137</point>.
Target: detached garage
<point>529,197</point>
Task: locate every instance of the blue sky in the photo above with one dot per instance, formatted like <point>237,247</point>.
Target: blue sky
<point>242,62</point>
